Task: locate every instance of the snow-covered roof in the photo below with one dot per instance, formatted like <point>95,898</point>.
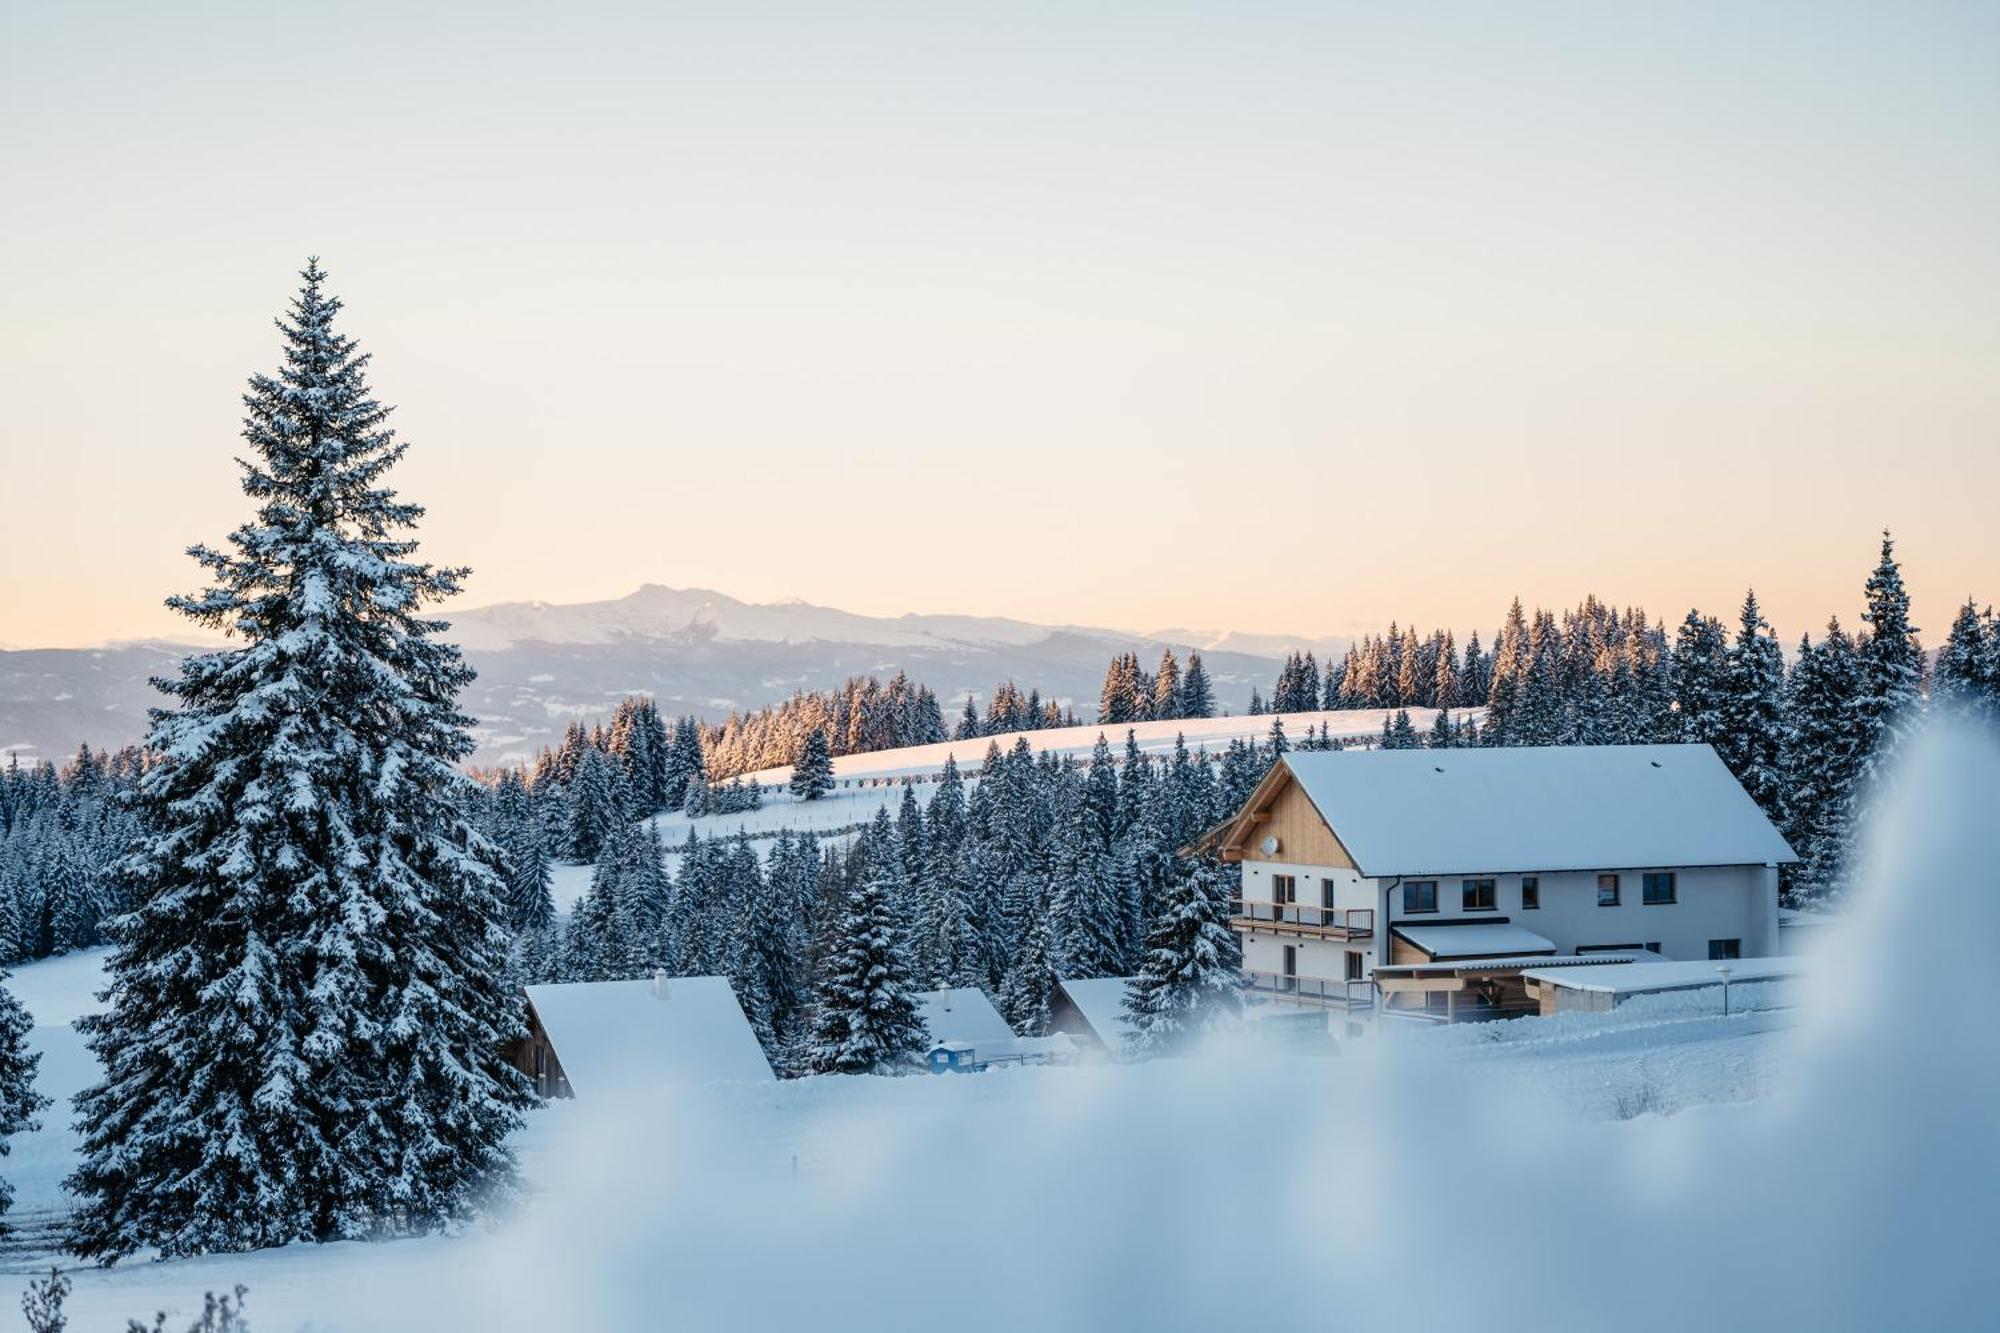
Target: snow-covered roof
<point>1482,939</point>
<point>1637,978</point>
<point>1528,808</point>
<point>961,1014</point>
<point>1517,960</point>
<point>1101,1001</point>
<point>620,1038</point>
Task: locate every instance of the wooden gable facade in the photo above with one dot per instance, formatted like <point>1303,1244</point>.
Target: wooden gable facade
<point>1279,808</point>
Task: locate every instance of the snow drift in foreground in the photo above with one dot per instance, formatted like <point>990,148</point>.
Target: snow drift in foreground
<point>1243,1191</point>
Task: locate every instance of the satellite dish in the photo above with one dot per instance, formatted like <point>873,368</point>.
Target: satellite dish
<point>1270,845</point>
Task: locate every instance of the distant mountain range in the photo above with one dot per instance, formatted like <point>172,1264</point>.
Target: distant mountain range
<point>695,650</point>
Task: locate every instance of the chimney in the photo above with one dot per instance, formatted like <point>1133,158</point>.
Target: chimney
<point>660,988</point>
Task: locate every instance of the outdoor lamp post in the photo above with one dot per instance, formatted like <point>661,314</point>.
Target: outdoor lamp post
<point>1723,972</point>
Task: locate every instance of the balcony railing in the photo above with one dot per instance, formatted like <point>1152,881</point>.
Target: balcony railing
<point>1321,992</point>
<point>1333,923</point>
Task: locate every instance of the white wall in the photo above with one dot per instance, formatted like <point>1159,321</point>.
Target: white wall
<point>1727,902</point>
<point>1349,889</point>
<point>1326,959</point>
<point>1718,902</point>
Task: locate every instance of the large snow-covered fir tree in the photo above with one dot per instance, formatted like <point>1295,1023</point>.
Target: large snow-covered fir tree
<point>306,1009</point>
<point>864,1019</point>
<point>1189,977</point>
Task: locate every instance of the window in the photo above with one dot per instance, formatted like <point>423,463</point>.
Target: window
<point>1531,892</point>
<point>1284,888</point>
<point>1291,961</point>
<point>1653,946</point>
<point>1437,1002</point>
<point>1722,951</point>
<point>1353,966</point>
<point>1326,894</point>
<point>1420,895</point>
<point>1607,890</point>
<point>1657,889</point>
<point>1480,895</point>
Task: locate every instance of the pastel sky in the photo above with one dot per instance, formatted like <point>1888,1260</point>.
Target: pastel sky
<point>1274,317</point>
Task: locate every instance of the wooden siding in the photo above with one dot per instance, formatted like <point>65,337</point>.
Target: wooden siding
<point>1402,951</point>
<point>1303,837</point>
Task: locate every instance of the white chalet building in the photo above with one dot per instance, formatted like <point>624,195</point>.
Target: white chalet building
<point>1430,879</point>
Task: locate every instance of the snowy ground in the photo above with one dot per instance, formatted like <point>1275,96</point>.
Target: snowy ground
<point>1826,1165</point>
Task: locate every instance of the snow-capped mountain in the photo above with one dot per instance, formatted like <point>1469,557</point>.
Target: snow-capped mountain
<point>695,650</point>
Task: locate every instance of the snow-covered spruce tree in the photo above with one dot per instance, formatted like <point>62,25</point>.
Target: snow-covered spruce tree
<point>1892,665</point>
<point>812,772</point>
<point>1190,975</point>
<point>1753,710</point>
<point>864,1020</point>
<point>19,1102</point>
<point>306,1010</point>
<point>1960,677</point>
<point>1698,678</point>
<point>1197,693</point>
<point>1821,755</point>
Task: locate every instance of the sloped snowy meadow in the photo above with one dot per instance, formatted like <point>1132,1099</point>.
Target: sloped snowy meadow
<point>1829,1166</point>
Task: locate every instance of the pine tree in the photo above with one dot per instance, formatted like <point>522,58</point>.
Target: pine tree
<point>1752,710</point>
<point>1197,693</point>
<point>19,1102</point>
<point>1699,679</point>
<point>1822,757</point>
<point>864,1021</point>
<point>1190,977</point>
<point>307,1003</point>
<point>597,804</point>
<point>1167,699</point>
<point>1960,678</point>
<point>968,722</point>
<point>1891,671</point>
<point>812,772</point>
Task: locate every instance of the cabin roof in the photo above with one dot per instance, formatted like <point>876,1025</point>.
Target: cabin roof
<point>1527,808</point>
<point>961,1014</point>
<point>1101,1001</point>
<point>620,1038</point>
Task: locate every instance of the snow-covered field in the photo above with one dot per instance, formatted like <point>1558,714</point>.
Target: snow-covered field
<point>1824,1166</point>
<point>1153,738</point>
<point>873,782</point>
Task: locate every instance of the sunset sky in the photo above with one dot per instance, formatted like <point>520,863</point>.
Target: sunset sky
<point>1291,318</point>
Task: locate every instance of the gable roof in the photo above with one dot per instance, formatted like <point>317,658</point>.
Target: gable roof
<point>1101,1002</point>
<point>1529,808</point>
<point>618,1038</point>
<point>962,1014</point>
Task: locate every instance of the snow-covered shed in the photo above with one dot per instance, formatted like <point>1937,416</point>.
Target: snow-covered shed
<point>1092,1012</point>
<point>1606,986</point>
<point>624,1039</point>
<point>962,1013</point>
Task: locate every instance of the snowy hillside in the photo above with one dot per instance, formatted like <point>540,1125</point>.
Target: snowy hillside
<point>867,783</point>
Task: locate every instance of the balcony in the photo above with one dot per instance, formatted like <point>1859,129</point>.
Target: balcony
<point>1314,992</point>
<point>1320,923</point>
